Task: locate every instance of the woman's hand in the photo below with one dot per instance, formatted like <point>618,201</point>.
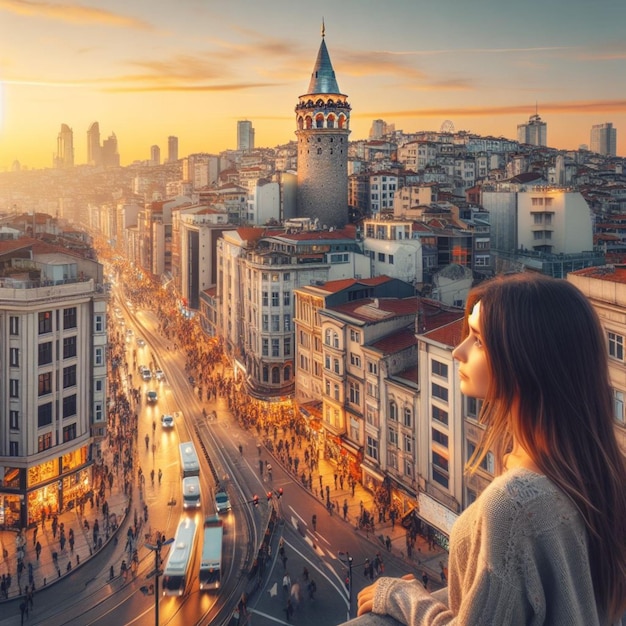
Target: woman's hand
<point>365,599</point>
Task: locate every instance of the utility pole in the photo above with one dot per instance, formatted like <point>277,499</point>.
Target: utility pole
<point>157,571</point>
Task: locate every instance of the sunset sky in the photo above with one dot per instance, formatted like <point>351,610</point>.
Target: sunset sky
<point>147,69</point>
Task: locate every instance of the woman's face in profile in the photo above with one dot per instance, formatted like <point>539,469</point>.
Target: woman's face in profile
<point>472,357</point>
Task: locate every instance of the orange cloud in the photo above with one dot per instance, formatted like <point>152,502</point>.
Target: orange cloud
<point>188,88</point>
<point>574,107</point>
<point>72,13</point>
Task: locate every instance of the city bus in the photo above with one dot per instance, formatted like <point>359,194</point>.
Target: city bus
<point>179,559</point>
<point>189,463</point>
<point>191,492</point>
<point>211,563</point>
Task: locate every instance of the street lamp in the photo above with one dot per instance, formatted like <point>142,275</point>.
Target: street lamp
<point>157,564</point>
<point>345,558</point>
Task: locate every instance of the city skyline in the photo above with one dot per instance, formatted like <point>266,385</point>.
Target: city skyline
<point>147,71</point>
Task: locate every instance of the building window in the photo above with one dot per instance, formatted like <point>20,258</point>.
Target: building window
<point>355,335</point>
<point>471,408</point>
<point>14,388</point>
<point>44,414</point>
<point>335,340</point>
<point>45,322</point>
<point>44,442</point>
<point>393,411</point>
<point>439,414</point>
<point>14,448</point>
<point>98,357</point>
<point>372,390</point>
<point>618,404</point>
<point>372,447</point>
<point>45,384</point>
<point>371,415</point>
<point>98,413</point>
<point>393,437</point>
<point>286,276</point>
<point>69,347</point>
<point>440,469</point>
<point>45,353</point>
<point>265,323</point>
<point>408,443</point>
<point>275,298</point>
<point>99,323</point>
<point>439,437</point>
<point>439,392</point>
<point>99,384</point>
<point>408,468</point>
<point>69,405</point>
<point>381,257</point>
<point>14,420</point>
<point>336,366</point>
<point>69,318</point>
<point>264,298</point>
<point>275,347</point>
<point>392,459</point>
<point>372,367</point>
<point>439,369</point>
<point>616,346</point>
<point>265,347</point>
<point>287,373</point>
<point>275,323</point>
<point>287,322</point>
<point>390,259</point>
<point>275,375</point>
<point>69,432</point>
<point>286,298</point>
<point>336,393</point>
<point>287,346</point>
<point>14,357</point>
<point>69,376</point>
<point>488,463</point>
<point>355,393</point>
<point>327,337</point>
<point>355,359</point>
<point>14,325</point>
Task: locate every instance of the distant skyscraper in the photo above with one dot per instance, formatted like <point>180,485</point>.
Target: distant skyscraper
<point>65,147</point>
<point>323,121</point>
<point>172,149</point>
<point>110,154</point>
<point>94,151</point>
<point>604,139</point>
<point>245,136</point>
<point>155,155</point>
<point>535,133</point>
<point>378,129</point>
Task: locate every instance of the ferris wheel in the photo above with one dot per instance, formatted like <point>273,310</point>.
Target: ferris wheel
<point>447,127</point>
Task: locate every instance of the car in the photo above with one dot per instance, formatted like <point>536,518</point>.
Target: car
<point>140,342</point>
<point>222,502</point>
<point>159,375</point>
<point>191,380</point>
<point>146,374</point>
<point>152,396</point>
<point>167,421</point>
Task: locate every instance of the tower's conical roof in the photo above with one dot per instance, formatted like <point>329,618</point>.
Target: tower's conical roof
<point>323,77</point>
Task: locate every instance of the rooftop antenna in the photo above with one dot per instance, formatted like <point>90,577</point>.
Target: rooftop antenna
<point>323,29</point>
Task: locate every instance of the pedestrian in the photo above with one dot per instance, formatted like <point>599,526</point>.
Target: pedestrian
<point>289,609</point>
<point>312,587</point>
<point>305,574</point>
<point>35,535</point>
<point>388,543</point>
<point>286,583</point>
<point>38,549</point>
<point>152,476</point>
<point>534,351</point>
<point>425,579</point>
<point>160,475</point>
<point>314,522</point>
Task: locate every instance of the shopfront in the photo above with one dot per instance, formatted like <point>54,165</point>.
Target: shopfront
<point>438,519</point>
<point>44,489</point>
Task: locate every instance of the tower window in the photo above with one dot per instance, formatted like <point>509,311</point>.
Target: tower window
<point>319,151</point>
<point>319,139</point>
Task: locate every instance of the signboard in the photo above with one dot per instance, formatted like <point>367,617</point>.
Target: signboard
<point>436,514</point>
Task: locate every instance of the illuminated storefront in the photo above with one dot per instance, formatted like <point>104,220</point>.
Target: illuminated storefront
<point>44,489</point>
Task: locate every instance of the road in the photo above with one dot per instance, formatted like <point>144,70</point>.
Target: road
<point>88,597</point>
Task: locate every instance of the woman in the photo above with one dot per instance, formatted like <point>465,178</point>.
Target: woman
<point>545,543</point>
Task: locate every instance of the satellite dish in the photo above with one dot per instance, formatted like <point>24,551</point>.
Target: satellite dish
<point>447,127</point>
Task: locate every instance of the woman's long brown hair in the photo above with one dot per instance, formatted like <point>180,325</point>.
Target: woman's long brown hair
<point>548,354</point>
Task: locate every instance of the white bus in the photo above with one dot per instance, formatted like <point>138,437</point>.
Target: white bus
<point>211,563</point>
<point>179,559</point>
<point>191,492</point>
<point>189,463</point>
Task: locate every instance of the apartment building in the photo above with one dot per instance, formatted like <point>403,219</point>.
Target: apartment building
<point>53,388</point>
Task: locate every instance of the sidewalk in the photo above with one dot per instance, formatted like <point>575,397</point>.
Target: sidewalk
<point>423,558</point>
<point>53,563</point>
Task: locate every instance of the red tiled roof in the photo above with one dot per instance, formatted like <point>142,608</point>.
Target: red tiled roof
<point>611,274</point>
<point>396,341</point>
<point>448,335</point>
<point>335,286</point>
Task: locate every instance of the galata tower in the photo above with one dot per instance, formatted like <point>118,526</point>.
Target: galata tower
<point>323,126</point>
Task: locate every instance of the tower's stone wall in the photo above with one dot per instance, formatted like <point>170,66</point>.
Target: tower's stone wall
<point>323,175</point>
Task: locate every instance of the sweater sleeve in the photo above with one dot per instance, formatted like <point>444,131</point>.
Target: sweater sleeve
<point>488,601</point>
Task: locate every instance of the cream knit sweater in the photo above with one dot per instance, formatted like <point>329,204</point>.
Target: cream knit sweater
<point>518,556</point>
